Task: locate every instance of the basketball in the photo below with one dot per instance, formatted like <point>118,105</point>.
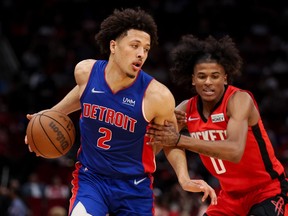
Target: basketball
<point>50,134</point>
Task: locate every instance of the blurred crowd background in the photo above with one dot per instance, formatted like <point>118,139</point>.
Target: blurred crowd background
<point>40,44</point>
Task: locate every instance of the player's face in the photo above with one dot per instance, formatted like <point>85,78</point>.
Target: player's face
<point>131,51</point>
<point>209,80</point>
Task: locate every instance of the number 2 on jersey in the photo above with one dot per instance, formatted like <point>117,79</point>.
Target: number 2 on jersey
<point>107,136</point>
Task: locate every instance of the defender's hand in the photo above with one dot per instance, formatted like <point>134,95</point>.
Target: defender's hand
<point>181,118</point>
<point>163,135</point>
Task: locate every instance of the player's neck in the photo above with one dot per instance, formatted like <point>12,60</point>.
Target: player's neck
<point>117,80</point>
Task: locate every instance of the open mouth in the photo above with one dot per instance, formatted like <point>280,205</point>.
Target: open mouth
<point>137,66</point>
<point>208,92</point>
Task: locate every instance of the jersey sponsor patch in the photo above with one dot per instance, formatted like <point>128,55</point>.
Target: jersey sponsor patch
<point>128,101</point>
<point>217,117</point>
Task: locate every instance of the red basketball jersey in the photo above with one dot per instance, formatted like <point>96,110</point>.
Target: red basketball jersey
<point>258,164</point>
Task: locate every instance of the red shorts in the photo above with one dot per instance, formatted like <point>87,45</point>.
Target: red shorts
<point>271,196</point>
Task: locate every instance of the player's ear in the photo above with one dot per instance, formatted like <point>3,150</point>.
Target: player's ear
<point>193,83</point>
<point>112,46</point>
<point>225,79</point>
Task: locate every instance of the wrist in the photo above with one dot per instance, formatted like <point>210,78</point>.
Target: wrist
<point>178,140</point>
<point>183,180</point>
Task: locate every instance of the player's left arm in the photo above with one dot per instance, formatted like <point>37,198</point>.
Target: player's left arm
<point>165,107</point>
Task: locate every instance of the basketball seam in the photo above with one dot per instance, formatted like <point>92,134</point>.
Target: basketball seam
<point>47,133</point>
<point>70,139</point>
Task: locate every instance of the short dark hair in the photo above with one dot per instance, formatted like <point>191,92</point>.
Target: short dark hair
<point>191,51</point>
<point>122,20</point>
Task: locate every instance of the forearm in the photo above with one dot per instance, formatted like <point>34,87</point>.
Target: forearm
<point>178,161</point>
<point>223,149</point>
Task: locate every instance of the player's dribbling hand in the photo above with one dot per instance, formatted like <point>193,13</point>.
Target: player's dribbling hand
<point>197,185</point>
<point>29,117</point>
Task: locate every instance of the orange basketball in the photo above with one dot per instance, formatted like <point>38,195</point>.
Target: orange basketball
<point>50,134</point>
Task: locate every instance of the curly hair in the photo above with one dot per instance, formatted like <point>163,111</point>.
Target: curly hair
<point>122,20</point>
<point>191,51</point>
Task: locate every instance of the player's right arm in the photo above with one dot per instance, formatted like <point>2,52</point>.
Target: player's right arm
<point>71,102</point>
<point>242,113</point>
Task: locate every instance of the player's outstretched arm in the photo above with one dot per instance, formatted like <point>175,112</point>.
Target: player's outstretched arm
<point>70,103</point>
<point>67,105</point>
<point>230,149</point>
<point>176,156</point>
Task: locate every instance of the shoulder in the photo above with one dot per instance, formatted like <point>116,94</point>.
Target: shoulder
<point>242,106</point>
<point>240,101</point>
<point>159,102</point>
<point>241,95</point>
<point>85,65</point>
<point>159,91</point>
<point>183,105</point>
<point>82,71</point>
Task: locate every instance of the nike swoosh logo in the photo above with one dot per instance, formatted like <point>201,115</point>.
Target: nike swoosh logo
<point>97,92</point>
<point>139,181</point>
<point>193,119</point>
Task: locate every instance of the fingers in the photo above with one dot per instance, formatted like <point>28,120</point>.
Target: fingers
<point>161,127</point>
<point>209,192</point>
<point>204,197</point>
<point>181,117</point>
<point>154,140</point>
<point>26,140</point>
<point>201,186</point>
<point>150,133</point>
<point>29,116</point>
<point>165,135</point>
<point>180,113</point>
<point>213,198</point>
<point>153,129</point>
<point>167,123</point>
<point>155,126</point>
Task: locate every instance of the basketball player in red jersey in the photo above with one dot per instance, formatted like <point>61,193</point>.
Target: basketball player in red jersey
<point>114,171</point>
<point>226,129</point>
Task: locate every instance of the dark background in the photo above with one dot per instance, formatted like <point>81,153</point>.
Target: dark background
<point>41,42</point>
